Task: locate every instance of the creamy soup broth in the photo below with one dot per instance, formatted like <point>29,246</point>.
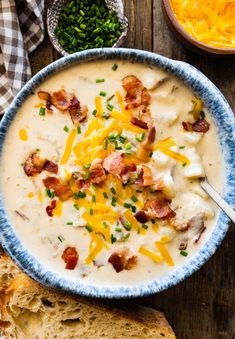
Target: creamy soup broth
<point>26,198</point>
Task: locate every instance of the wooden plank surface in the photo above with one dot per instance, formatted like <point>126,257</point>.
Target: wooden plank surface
<point>203,306</point>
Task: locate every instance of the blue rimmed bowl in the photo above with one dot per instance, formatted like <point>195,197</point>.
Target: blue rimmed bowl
<point>224,119</point>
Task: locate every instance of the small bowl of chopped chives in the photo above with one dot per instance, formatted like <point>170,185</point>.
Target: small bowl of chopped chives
<point>206,27</point>
<point>77,25</point>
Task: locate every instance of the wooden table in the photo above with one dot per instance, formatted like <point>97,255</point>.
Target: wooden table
<point>203,306</point>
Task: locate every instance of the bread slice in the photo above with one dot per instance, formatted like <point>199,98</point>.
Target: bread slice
<point>31,311</point>
<point>8,270</point>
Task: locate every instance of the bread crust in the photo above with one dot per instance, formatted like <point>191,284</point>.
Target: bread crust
<point>136,315</point>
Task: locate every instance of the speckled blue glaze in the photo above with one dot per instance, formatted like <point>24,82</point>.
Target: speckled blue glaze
<point>224,119</point>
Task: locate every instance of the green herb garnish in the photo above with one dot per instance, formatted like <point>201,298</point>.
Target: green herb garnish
<point>118,229</point>
<point>61,238</point>
<point>133,208</point>
<point>94,112</point>
<point>184,253</point>
<point>87,166</point>
<point>99,80</point>
<point>69,223</point>
<point>79,195</point>
<point>103,93</point>
<point>89,228</point>
<point>66,129</point>
<point>202,114</point>
<point>49,193</point>
<point>106,144</point>
<point>113,201</point>
<point>110,98</point>
<point>42,111</point>
<point>122,139</point>
<point>145,226</point>
<point>76,206</point>
<point>182,147</point>
<point>109,107</point>
<point>184,164</point>
<point>134,198</point>
<point>127,226</point>
<point>112,189</point>
<point>93,198</point>
<point>114,67</point>
<point>105,224</point>
<point>127,205</point>
<point>78,130</point>
<point>140,137</point>
<point>105,195</point>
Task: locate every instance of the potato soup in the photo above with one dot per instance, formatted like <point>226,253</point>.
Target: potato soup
<point>101,171</point>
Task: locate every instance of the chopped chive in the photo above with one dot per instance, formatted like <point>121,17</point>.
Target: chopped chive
<point>105,195</point>
<point>134,198</point>
<point>152,190</point>
<point>133,208</point>
<point>145,226</point>
<point>128,146</point>
<point>103,93</point>
<point>105,116</point>
<point>78,130</point>
<point>112,137</point>
<point>91,211</point>
<point>136,174</point>
<point>140,137</point>
<point>117,146</point>
<point>93,187</point>
<point>118,229</point>
<point>50,193</point>
<point>114,67</point>
<point>93,198</point>
<point>105,224</point>
<point>61,238</point>
<point>184,164</point>
<point>87,166</point>
<point>126,236</point>
<point>113,238</point>
<point>113,201</point>
<point>112,189</point>
<point>99,80</point>
<point>87,175</point>
<point>139,191</point>
<point>127,226</point>
<point>184,253</point>
<point>150,154</point>
<point>89,228</point>
<point>42,111</point>
<point>37,149</point>
<point>81,12</point>
<point>69,223</point>
<point>122,139</point>
<point>79,195</point>
<point>109,107</point>
<point>94,112</point>
<point>76,206</point>
<point>202,114</point>
<point>66,129</point>
<point>127,205</point>
<point>182,147</point>
<point>106,144</point>
<point>110,98</point>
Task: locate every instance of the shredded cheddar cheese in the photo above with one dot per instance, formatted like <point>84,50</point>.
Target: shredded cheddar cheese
<point>96,246</point>
<point>23,134</point>
<point>57,212</point>
<point>164,253</point>
<point>154,256</point>
<point>30,195</point>
<point>98,106</point>
<point>209,21</point>
<point>40,197</point>
<point>68,147</point>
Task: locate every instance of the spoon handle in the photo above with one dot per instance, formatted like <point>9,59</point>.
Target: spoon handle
<point>218,199</point>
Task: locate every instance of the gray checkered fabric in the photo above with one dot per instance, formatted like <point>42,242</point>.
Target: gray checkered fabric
<point>21,31</point>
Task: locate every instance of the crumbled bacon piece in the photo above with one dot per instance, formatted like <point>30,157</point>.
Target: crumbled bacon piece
<point>137,94</point>
<point>77,113</point>
<point>50,166</point>
<point>70,257</point>
<point>200,125</point>
<point>135,121</point>
<point>141,216</point>
<point>146,147</point>
<point>50,208</point>
<point>113,163</point>
<point>44,95</point>
<point>127,173</point>
<point>98,174</point>
<point>33,164</point>
<point>159,184</point>
<point>197,223</point>
<point>147,176</point>
<point>61,99</point>
<point>145,116</point>
<point>122,260</point>
<point>62,190</point>
<point>158,207</point>
<point>182,227</point>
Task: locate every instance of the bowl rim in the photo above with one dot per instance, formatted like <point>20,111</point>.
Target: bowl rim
<point>219,108</point>
<point>189,38</point>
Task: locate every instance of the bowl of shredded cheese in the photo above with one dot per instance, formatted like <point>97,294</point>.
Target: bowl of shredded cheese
<point>206,26</point>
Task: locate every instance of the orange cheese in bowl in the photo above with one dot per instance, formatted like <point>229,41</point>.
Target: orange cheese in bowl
<point>210,21</point>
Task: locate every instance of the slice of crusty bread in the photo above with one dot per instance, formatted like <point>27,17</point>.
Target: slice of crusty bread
<point>31,311</point>
<point>8,270</point>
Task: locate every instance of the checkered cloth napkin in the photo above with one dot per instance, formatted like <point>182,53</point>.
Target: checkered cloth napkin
<point>21,31</point>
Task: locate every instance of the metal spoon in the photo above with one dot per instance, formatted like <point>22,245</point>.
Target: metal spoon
<point>217,198</point>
